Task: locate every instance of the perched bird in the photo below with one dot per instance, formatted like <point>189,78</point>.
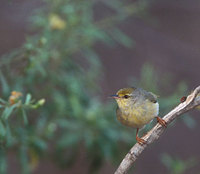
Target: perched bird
<point>136,108</point>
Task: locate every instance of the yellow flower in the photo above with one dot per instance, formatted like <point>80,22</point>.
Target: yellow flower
<point>56,23</point>
<point>15,95</point>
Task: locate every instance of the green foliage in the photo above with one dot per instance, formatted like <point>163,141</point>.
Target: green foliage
<point>59,63</point>
<point>13,130</point>
<point>176,165</point>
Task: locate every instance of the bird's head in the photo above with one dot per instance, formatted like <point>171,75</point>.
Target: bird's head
<point>124,96</point>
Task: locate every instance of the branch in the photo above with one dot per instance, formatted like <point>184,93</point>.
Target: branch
<point>191,102</point>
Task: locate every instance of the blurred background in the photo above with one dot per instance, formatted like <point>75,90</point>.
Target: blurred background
<point>61,59</point>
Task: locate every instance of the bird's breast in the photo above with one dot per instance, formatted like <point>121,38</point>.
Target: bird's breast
<point>138,114</point>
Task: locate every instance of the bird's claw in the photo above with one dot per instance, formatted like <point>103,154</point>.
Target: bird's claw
<point>141,141</point>
<point>161,121</point>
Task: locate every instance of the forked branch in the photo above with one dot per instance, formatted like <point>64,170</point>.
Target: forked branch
<point>191,102</point>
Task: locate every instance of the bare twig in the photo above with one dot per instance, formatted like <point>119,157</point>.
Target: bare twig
<point>191,102</point>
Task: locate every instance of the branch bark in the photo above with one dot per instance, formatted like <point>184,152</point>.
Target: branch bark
<point>191,102</point>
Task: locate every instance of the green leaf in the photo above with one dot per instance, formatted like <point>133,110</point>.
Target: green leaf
<point>28,99</point>
<point>3,101</point>
<point>39,143</point>
<point>4,84</point>
<point>8,110</point>
<point>122,38</point>
<point>2,129</point>
<point>24,117</point>
<point>10,140</point>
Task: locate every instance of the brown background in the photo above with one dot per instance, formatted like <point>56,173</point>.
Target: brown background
<point>169,39</point>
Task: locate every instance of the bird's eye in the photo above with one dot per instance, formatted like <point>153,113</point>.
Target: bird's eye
<point>126,96</point>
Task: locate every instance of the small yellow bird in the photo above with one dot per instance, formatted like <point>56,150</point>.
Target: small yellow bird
<point>136,108</point>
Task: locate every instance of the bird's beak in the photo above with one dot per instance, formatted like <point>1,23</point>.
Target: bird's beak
<point>114,96</point>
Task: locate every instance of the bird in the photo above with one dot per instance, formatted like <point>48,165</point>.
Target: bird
<point>136,108</point>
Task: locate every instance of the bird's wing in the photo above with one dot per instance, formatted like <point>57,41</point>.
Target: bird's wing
<point>151,97</point>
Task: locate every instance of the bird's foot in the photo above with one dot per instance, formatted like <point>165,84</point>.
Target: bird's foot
<point>161,121</point>
<point>140,140</point>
